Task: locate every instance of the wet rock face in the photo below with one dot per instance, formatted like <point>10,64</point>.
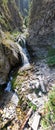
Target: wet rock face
<point>9,57</point>
<point>42,24</point>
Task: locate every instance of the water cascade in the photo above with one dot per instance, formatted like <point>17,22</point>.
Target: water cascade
<point>24,53</point>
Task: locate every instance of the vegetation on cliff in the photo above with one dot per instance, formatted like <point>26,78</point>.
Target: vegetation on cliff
<point>10,18</point>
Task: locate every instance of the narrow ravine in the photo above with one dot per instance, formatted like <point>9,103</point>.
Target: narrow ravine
<point>27,64</point>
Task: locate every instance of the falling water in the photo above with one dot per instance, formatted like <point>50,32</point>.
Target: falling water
<point>23,52</point>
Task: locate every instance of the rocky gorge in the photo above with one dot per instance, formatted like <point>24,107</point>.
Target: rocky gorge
<point>27,67</point>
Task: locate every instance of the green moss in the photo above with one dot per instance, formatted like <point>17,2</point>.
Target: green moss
<point>51,61</point>
<point>18,79</point>
<point>2,22</point>
<point>14,84</point>
<point>51,57</point>
<point>5,1</point>
<point>15,33</point>
<point>31,105</point>
<point>51,52</point>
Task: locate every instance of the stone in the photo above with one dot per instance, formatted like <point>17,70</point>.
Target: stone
<point>34,121</point>
<point>15,126</point>
<point>25,67</point>
<point>15,99</point>
<point>1,111</point>
<point>32,97</point>
<point>8,110</point>
<point>40,94</point>
<point>34,84</point>
<point>42,84</point>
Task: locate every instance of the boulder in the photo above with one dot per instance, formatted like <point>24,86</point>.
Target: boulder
<point>9,56</point>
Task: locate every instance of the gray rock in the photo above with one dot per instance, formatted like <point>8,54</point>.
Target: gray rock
<point>34,83</point>
<point>42,84</point>
<point>40,94</point>
<point>15,99</point>
<point>41,27</point>
<point>34,121</point>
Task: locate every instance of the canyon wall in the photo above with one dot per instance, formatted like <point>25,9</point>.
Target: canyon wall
<point>41,25</point>
<point>10,18</point>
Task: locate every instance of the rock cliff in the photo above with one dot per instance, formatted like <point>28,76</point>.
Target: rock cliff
<point>23,6</point>
<point>10,18</point>
<point>9,56</point>
<point>41,26</point>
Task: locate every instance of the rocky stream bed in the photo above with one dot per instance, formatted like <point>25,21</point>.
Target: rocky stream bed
<point>22,102</point>
<point>37,81</point>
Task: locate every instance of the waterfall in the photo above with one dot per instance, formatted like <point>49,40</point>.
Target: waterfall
<point>23,52</point>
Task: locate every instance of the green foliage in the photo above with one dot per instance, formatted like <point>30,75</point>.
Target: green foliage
<point>14,84</point>
<point>52,96</point>
<point>16,81</point>
<point>30,104</point>
<point>49,111</point>
<point>51,52</point>
<point>51,57</point>
<point>26,21</point>
<point>15,33</point>
<point>2,21</point>
<point>51,61</point>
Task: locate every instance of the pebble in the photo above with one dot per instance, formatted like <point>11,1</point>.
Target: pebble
<point>14,99</point>
<point>42,84</point>
<point>40,94</point>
